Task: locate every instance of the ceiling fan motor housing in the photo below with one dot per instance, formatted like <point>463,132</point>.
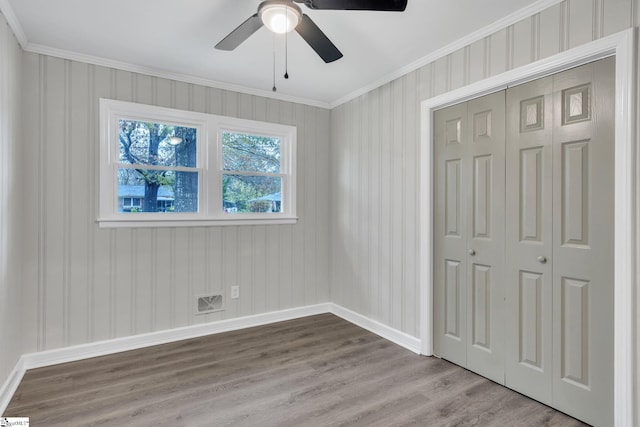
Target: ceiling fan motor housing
<point>283,16</point>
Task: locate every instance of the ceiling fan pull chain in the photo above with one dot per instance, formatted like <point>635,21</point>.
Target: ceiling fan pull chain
<point>274,63</point>
<point>286,55</point>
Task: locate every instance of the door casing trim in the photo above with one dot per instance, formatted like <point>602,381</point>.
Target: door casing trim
<point>623,46</point>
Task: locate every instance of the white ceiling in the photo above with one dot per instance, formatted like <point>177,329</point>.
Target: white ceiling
<point>176,38</point>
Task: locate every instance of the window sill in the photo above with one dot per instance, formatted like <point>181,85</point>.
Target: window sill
<point>209,222</point>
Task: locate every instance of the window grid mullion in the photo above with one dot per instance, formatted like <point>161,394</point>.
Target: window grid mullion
<point>158,167</point>
<point>245,173</point>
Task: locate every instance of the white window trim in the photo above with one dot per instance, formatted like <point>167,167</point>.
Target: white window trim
<point>209,165</point>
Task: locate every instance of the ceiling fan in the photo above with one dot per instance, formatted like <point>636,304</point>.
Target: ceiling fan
<point>283,16</point>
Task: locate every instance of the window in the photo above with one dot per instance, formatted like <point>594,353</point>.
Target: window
<point>251,179</point>
<point>166,167</point>
<point>130,204</point>
<point>157,164</point>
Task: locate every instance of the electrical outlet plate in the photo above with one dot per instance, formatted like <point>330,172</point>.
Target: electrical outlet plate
<point>235,292</point>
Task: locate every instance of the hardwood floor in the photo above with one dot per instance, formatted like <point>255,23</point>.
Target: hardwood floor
<point>314,371</point>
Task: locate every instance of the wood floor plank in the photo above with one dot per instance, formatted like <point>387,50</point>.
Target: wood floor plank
<point>315,371</point>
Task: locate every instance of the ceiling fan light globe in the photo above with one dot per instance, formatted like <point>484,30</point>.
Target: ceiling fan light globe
<point>280,18</point>
<point>278,23</point>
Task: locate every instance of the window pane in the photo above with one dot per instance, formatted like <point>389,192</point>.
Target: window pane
<point>250,153</point>
<point>156,144</point>
<point>246,194</point>
<point>145,190</point>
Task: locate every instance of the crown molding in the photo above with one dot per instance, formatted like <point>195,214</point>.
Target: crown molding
<point>12,20</point>
<point>125,66</point>
<point>16,27</point>
<point>498,25</point>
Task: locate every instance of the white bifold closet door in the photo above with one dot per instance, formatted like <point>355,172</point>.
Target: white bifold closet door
<point>555,320</point>
<point>469,258</point>
<point>560,240</point>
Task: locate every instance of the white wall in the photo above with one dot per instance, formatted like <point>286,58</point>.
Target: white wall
<point>84,284</point>
<point>375,147</point>
<point>11,345</point>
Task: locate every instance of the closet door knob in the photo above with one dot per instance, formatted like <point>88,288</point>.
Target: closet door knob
<point>542,259</point>
<point>471,252</point>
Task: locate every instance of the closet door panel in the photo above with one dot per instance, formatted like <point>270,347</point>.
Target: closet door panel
<point>528,242</point>
<point>530,161</point>
<point>583,241</point>
<point>485,235</point>
<point>530,321</point>
<point>450,254</point>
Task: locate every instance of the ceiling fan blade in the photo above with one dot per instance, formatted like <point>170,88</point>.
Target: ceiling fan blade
<point>317,40</point>
<point>240,34</point>
<point>378,5</point>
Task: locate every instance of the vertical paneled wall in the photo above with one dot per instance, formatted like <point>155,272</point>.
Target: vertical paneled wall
<point>10,202</point>
<point>375,150</point>
<point>84,284</point>
<point>374,159</point>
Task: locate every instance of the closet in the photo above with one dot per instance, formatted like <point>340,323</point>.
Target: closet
<point>523,247</point>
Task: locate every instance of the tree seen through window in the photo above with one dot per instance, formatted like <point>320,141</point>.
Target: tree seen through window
<point>157,166</point>
<point>251,180</point>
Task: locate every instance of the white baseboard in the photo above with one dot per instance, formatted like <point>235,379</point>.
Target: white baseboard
<point>395,336</point>
<point>11,385</point>
<point>102,348</point>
